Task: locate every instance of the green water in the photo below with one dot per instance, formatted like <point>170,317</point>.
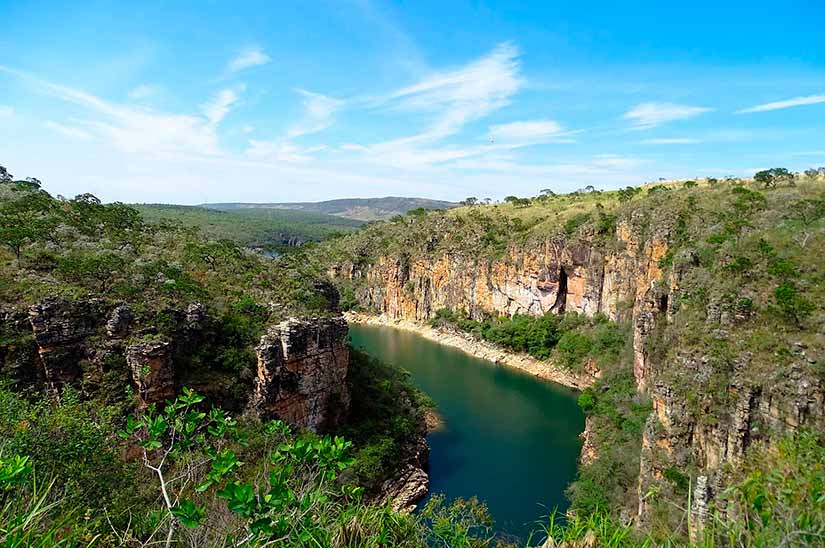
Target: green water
<point>509,438</point>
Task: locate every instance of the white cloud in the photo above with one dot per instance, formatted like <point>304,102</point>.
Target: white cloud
<point>788,103</point>
<point>318,113</point>
<point>670,141</point>
<point>6,111</point>
<point>69,131</point>
<point>465,94</point>
<point>216,109</point>
<point>248,58</point>
<point>137,129</point>
<point>144,91</point>
<point>454,98</point>
<point>650,115</point>
<point>526,131</point>
<point>281,151</point>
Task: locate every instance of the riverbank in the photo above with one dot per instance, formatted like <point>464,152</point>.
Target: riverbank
<point>481,349</point>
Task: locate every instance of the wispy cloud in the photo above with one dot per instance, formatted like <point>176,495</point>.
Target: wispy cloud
<point>69,131</point>
<point>130,128</point>
<point>218,107</point>
<point>650,115</point>
<point>6,111</point>
<point>670,141</point>
<point>465,94</point>
<point>144,91</point>
<point>787,103</point>
<point>528,131</point>
<point>454,98</point>
<point>248,58</point>
<point>281,151</point>
<point>318,113</point>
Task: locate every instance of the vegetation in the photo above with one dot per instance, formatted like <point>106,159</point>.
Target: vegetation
<point>361,209</point>
<point>257,228</point>
<point>739,304</point>
<point>217,480</point>
<point>91,468</point>
<point>570,340</point>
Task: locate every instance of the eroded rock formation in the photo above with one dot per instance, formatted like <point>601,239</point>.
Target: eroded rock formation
<point>302,370</point>
<point>94,344</point>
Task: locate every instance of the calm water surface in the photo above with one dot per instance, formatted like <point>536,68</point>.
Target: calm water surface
<point>509,438</point>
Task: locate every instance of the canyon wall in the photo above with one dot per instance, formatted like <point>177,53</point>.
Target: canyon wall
<point>302,371</point>
<point>93,346</point>
<point>623,278</point>
<point>620,280</point>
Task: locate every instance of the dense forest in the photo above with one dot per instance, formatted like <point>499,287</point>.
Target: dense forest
<point>257,228</point>
<point>362,209</point>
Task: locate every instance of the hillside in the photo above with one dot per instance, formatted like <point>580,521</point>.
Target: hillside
<point>362,209</point>
<point>695,309</point>
<point>145,397</point>
<point>253,227</point>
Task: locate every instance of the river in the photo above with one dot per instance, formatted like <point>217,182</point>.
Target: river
<point>509,438</point>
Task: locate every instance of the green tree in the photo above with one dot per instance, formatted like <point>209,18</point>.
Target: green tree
<point>26,219</point>
<point>771,177</point>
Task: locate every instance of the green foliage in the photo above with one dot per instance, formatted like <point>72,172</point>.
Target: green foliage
<point>570,340</point>
<point>573,223</point>
<point>70,442</point>
<point>778,498</point>
<point>387,412</point>
<point>770,177</point>
<point>274,229</point>
<point>794,306</point>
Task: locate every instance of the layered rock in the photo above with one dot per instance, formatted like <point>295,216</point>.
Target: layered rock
<point>60,330</point>
<point>705,416</point>
<point>96,345</point>
<point>151,366</point>
<point>302,370</point>
<point>624,281</point>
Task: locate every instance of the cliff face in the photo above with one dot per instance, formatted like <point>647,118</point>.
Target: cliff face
<point>623,278</point>
<point>94,345</point>
<point>619,281</point>
<point>302,370</point>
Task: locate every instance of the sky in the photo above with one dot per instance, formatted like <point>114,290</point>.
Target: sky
<point>208,101</point>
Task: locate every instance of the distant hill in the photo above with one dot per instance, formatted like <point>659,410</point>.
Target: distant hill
<point>362,209</point>
<point>252,227</point>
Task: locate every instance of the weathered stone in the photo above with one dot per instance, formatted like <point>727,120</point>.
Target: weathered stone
<point>405,491</point>
<point>699,510</point>
<point>153,374</point>
<point>60,329</point>
<point>302,370</point>
<point>119,321</point>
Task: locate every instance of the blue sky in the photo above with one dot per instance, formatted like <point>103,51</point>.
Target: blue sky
<point>190,102</point>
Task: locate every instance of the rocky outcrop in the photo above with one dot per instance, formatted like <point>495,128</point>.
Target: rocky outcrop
<point>97,345</point>
<point>554,275</point>
<point>60,330</point>
<point>411,482</point>
<point>152,369</point>
<point>621,281</point>
<point>18,351</point>
<point>302,370</point>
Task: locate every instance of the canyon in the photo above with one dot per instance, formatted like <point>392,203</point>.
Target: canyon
<point>624,278</point>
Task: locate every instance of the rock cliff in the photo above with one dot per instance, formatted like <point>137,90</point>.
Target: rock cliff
<point>94,345</point>
<point>302,371</point>
<point>705,414</point>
